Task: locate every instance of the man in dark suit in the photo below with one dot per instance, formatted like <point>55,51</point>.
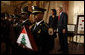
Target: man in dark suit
<point>62,30</point>
<point>40,31</point>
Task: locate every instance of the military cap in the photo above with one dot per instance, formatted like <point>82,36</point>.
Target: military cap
<point>36,9</point>
<point>25,10</point>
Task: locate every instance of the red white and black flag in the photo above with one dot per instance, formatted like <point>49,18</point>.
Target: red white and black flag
<point>27,40</point>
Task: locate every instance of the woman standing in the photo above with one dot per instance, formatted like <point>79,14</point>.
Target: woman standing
<point>53,21</point>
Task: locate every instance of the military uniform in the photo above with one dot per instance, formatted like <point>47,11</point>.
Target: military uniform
<point>15,25</point>
<point>26,23</point>
<point>4,32</point>
<point>40,32</point>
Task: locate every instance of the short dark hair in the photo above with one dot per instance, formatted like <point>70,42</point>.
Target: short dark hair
<point>54,11</point>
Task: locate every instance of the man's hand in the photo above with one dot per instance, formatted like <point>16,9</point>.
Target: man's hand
<point>64,31</point>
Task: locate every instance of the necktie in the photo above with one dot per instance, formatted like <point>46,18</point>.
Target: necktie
<point>58,17</point>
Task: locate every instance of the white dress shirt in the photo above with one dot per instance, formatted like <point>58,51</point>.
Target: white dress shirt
<point>37,23</point>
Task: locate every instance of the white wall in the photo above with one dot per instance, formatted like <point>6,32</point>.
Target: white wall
<point>75,8</point>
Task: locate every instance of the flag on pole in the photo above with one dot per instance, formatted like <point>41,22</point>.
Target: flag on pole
<point>24,39</point>
<point>27,40</point>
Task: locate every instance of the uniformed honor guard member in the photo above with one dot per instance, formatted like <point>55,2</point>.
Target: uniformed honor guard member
<point>24,18</point>
<point>15,24</point>
<point>4,33</point>
<point>40,30</point>
<point>25,14</point>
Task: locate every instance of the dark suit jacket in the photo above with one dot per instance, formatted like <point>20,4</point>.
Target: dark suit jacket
<point>53,22</point>
<point>62,23</point>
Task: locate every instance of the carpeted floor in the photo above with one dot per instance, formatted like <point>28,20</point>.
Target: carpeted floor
<point>74,48</point>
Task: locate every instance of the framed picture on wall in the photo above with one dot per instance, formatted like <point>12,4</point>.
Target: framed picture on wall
<point>80,24</point>
<point>71,27</point>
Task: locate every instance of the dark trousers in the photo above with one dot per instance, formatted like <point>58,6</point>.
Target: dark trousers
<point>63,42</point>
<point>43,49</point>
